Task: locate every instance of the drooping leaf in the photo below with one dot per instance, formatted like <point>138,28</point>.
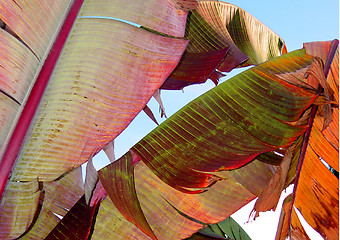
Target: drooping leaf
<point>204,53</point>
<point>247,115</point>
<point>211,47</point>
<point>317,194</point>
<point>117,178</point>
<point>58,198</point>
<point>270,196</point>
<point>316,190</point>
<point>212,14</point>
<point>251,36</point>
<point>159,201</point>
<point>326,142</point>
<point>220,201</point>
<point>18,208</point>
<point>194,68</point>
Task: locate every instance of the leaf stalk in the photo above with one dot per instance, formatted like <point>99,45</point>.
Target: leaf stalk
<point>19,133</point>
<point>330,56</point>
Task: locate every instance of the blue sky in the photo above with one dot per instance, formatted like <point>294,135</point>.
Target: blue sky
<point>296,21</point>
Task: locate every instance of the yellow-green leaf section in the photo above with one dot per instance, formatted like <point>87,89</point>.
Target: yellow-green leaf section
<point>251,36</point>
<point>17,208</point>
<point>227,127</point>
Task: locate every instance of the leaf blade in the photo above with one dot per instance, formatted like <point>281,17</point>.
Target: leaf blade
<point>118,179</point>
<point>219,114</point>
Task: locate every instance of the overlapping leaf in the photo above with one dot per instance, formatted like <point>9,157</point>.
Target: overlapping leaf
<point>231,124</point>
<point>72,91</point>
<point>21,58</point>
<point>98,86</point>
<point>35,23</point>
<point>89,101</point>
<point>325,142</point>
<point>76,224</point>
<point>58,198</point>
<point>18,207</point>
<point>161,204</point>
<point>317,196</point>
<point>118,180</point>
<point>211,12</point>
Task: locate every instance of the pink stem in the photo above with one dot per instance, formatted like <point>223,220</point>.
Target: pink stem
<point>33,100</point>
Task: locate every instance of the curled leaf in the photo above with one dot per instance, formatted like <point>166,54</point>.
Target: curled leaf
<point>109,151</point>
<point>118,181</point>
<point>221,130</point>
<point>148,112</point>
<point>157,96</point>
<point>315,76</point>
<point>91,179</point>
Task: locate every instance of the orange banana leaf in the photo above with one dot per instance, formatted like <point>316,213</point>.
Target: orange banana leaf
<point>317,193</point>
<point>316,188</point>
